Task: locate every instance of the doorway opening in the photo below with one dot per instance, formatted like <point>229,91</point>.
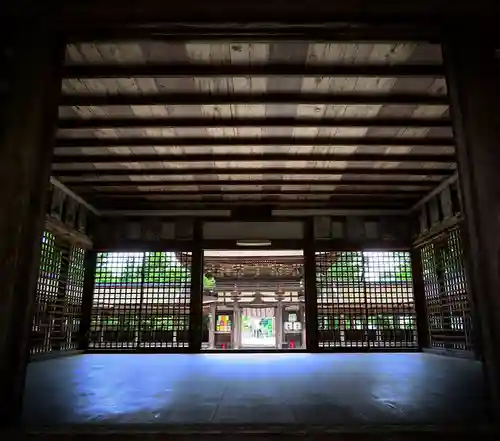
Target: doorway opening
<point>253,300</point>
<point>258,328</point>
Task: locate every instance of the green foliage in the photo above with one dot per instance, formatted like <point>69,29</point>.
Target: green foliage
<point>151,268</point>
<point>209,283</point>
<point>154,323</point>
<point>347,268</point>
<point>359,267</point>
<point>163,267</point>
<point>50,256</point>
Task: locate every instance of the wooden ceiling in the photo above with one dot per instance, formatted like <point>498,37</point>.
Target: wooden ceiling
<point>285,124</point>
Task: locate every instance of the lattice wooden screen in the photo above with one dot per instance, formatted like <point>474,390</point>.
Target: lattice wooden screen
<point>446,293</point>
<point>58,302</point>
<point>365,300</point>
<point>141,300</point>
<point>74,297</point>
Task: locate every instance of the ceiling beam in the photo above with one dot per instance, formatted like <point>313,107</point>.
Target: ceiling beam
<point>150,70</point>
<point>445,183</point>
<point>172,122</point>
<point>131,203</point>
<point>182,213</point>
<point>332,32</point>
<point>260,141</point>
<point>251,157</point>
<point>338,212</point>
<point>422,185</point>
<point>217,193</point>
<point>252,98</point>
<point>56,183</point>
<point>96,173</point>
<point>273,17</point>
<point>201,212</point>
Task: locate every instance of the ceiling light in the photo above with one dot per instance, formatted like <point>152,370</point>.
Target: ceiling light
<point>253,243</point>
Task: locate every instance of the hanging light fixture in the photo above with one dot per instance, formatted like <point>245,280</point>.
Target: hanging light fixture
<point>253,243</point>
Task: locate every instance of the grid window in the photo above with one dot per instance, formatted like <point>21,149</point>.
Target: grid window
<point>58,302</point>
<point>46,296</point>
<point>446,293</point>
<point>141,300</point>
<point>365,299</point>
<point>74,298</point>
<point>431,286</point>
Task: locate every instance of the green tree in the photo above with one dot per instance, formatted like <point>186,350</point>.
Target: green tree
<point>50,256</point>
<point>119,268</point>
<point>209,282</point>
<point>357,266</point>
<point>347,267</point>
<point>150,267</point>
<point>399,269</point>
<point>164,267</point>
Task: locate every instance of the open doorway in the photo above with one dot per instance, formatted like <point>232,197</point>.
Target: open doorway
<point>253,300</point>
<point>258,328</point>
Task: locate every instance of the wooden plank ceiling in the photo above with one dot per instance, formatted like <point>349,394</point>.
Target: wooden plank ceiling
<point>160,125</point>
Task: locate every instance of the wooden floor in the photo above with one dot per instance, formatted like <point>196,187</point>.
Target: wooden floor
<point>280,391</point>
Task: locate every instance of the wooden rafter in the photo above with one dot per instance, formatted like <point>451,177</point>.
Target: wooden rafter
<point>216,193</point>
<point>152,70</point>
<point>143,126</point>
<point>421,184</point>
<point>252,98</point>
<point>158,204</point>
<point>254,141</point>
<point>172,122</point>
<point>85,172</point>
<point>253,157</point>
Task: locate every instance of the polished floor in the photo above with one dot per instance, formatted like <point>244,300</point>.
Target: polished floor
<point>255,389</point>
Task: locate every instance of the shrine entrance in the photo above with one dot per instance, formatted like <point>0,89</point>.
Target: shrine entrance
<point>253,300</point>
<point>258,328</point>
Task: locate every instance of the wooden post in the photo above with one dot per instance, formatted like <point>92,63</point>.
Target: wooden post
<point>279,324</point>
<point>196,301</point>
<point>474,91</point>
<point>475,338</point>
<point>419,296</point>
<point>236,331</point>
<point>26,145</point>
<point>311,299</point>
<point>211,326</point>
<point>59,329</point>
<point>302,311</point>
<point>88,295</point>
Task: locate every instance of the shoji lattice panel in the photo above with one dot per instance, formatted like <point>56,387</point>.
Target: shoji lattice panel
<point>455,289</point>
<point>446,293</point>
<point>74,297</point>
<point>117,301</point>
<point>166,287</point>
<point>141,300</point>
<point>365,300</point>
<point>58,302</point>
<point>432,290</point>
<point>46,296</point>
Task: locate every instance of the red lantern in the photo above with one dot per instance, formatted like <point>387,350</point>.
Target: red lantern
<point>292,344</point>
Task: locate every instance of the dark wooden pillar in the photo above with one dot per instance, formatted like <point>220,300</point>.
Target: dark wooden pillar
<point>475,336</point>
<point>475,98</point>
<point>27,132</point>
<point>311,297</point>
<point>88,296</point>
<point>420,304</point>
<point>196,300</point>
<point>59,330</point>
